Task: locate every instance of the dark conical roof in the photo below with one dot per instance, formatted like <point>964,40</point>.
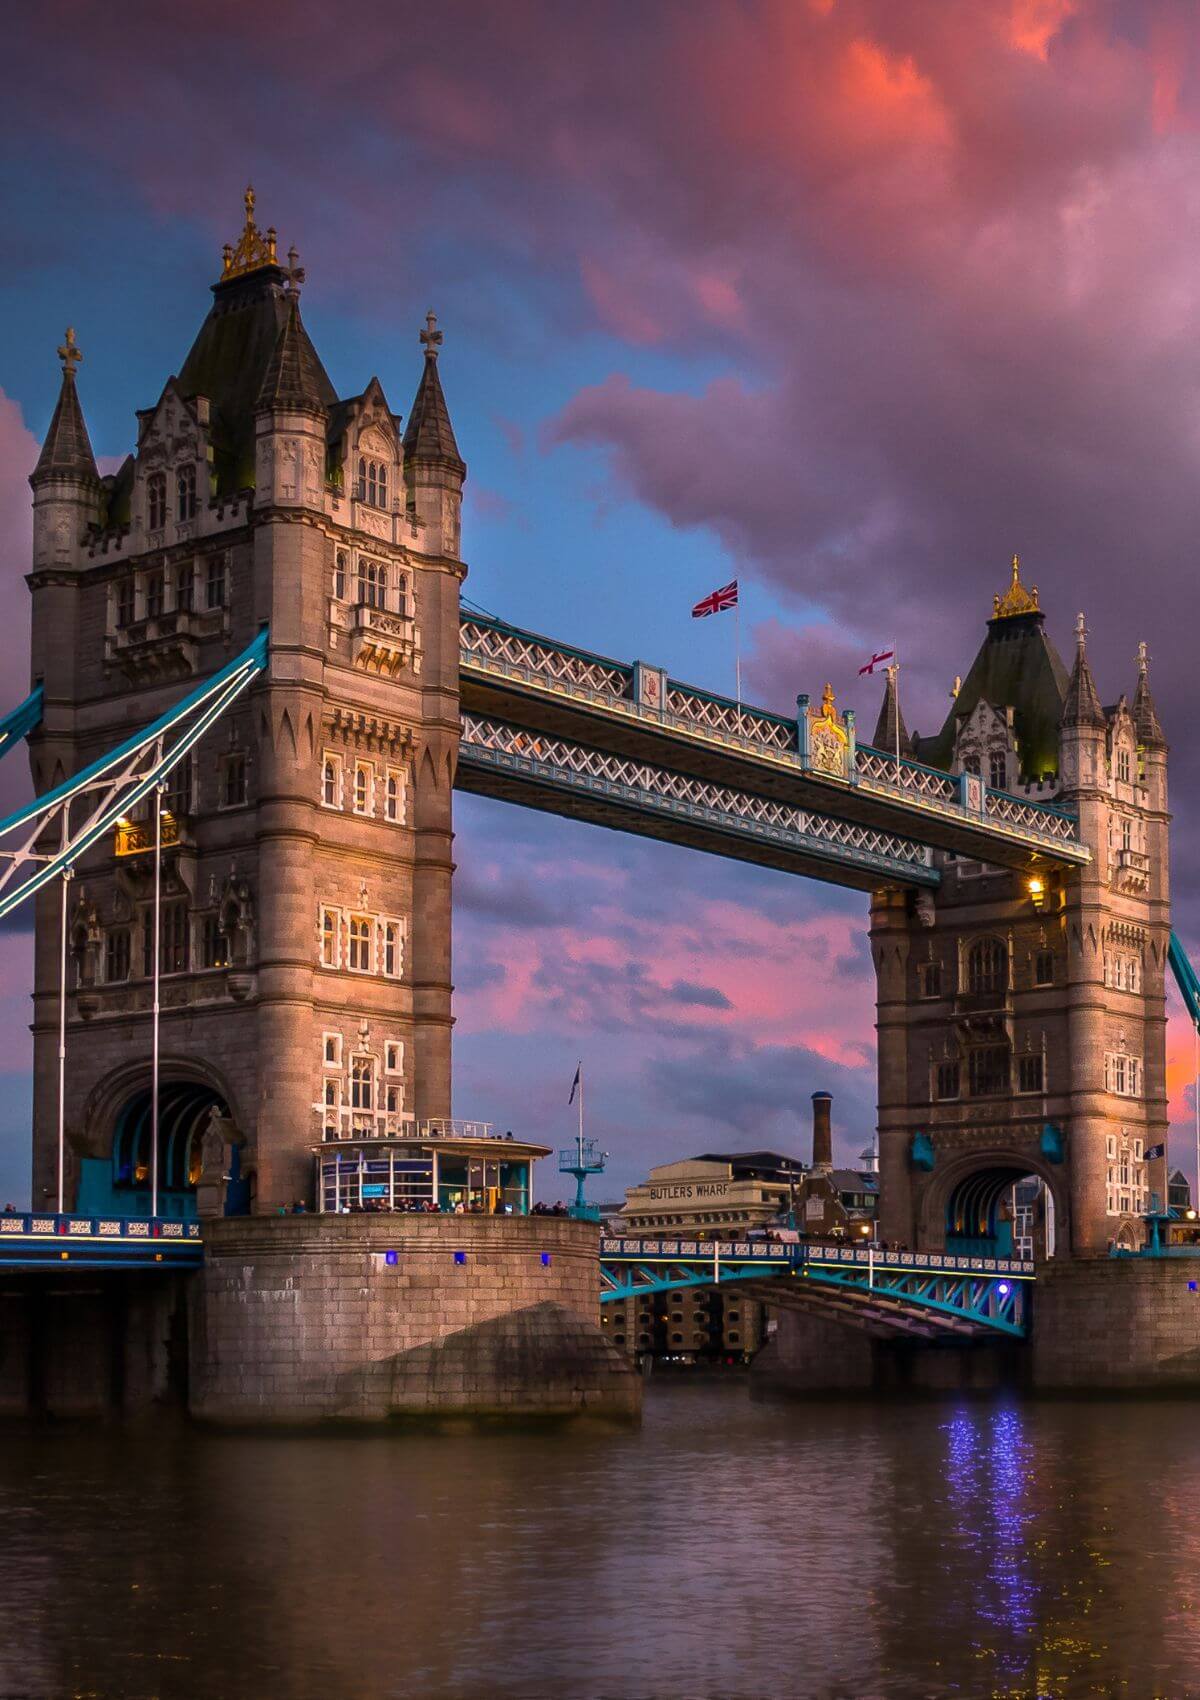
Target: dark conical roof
<point>292,380</point>
<point>1082,704</point>
<point>1145,715</point>
<point>230,358</point>
<point>67,450</point>
<point>1017,667</point>
<point>429,434</point>
<point>891,717</point>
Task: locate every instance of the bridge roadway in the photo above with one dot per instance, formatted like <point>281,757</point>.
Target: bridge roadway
<point>620,744</point>
<point>923,1295</point>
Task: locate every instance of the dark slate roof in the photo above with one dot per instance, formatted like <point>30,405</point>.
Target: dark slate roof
<point>229,360</point>
<point>292,380</point>
<point>1082,705</point>
<point>885,727</point>
<point>1145,715</point>
<point>1017,667</point>
<point>67,451</point>
<point>853,1180</point>
<point>118,494</point>
<point>429,434</point>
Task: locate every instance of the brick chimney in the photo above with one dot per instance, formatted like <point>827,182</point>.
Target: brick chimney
<point>822,1146</point>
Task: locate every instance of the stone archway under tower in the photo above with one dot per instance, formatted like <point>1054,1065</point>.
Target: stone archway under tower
<point>972,1206</point>
<point>203,1166</point>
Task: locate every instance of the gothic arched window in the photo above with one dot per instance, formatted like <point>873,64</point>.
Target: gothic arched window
<point>339,576</point>
<point>156,500</point>
<point>987,966</point>
<point>362,1083</point>
<point>402,595</point>
<point>372,482</point>
<point>997,770</point>
<point>372,584</point>
<point>185,488</point>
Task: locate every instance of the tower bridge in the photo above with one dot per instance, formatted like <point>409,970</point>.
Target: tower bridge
<point>270,585</point>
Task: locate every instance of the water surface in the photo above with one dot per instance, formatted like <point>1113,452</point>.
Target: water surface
<point>726,1549</point>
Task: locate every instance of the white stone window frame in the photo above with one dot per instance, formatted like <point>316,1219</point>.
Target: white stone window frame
<point>357,1074</point>
<point>386,925</point>
<point>395,796</point>
<point>331,1041</point>
<point>335,760</point>
<point>363,783</point>
<point>356,945</point>
<point>1122,1074</point>
<point>393,1056</point>
<point>327,911</point>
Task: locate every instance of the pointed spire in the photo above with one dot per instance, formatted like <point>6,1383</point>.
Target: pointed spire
<point>891,718</point>
<point>1145,715</point>
<point>67,450</point>
<point>429,434</point>
<point>291,382</point>
<point>1081,707</point>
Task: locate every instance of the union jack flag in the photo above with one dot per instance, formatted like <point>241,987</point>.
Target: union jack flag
<point>717,603</point>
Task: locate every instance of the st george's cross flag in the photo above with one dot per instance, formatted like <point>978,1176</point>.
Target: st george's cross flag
<point>878,659</point>
<point>717,603</point>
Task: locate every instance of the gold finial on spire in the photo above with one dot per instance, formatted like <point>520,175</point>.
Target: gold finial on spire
<point>69,354</point>
<point>828,710</point>
<point>1016,599</point>
<point>254,248</point>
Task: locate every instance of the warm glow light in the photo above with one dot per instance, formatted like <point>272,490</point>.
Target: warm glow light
<point>1035,885</point>
<point>1191,1215</point>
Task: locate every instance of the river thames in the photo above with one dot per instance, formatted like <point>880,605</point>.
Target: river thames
<point>725,1549</point>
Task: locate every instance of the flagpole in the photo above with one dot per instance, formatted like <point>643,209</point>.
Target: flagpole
<point>580,1073</point>
<point>1195,1107</point>
<point>737,650</point>
<point>896,685</point>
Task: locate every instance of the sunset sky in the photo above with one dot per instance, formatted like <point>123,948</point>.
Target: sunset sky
<point>849,299</point>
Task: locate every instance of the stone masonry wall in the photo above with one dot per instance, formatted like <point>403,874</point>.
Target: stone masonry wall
<point>299,1319</point>
<point>1117,1323</point>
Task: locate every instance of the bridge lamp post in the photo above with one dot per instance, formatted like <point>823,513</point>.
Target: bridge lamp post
<point>62,1045</point>
<point>159,792</point>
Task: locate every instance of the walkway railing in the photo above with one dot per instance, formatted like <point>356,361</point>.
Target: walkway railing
<point>490,647</point>
<point>41,1239</point>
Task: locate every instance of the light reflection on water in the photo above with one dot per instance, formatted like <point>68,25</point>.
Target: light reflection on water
<point>727,1548</point>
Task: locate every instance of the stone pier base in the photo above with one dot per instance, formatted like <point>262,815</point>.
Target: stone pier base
<point>301,1319</point>
<point>810,1356</point>
<point>1122,1324</point>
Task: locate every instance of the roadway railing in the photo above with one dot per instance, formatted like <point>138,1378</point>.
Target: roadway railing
<point>35,1239</point>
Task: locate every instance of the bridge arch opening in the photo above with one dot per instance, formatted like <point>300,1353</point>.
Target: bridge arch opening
<point>120,1184</point>
<point>1002,1208</point>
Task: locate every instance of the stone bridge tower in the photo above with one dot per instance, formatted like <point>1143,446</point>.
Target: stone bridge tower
<point>306,915</point>
<point>1022,1016</point>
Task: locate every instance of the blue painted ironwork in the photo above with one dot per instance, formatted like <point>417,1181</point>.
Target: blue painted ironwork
<point>110,787</point>
<point>1186,977</point>
<point>929,1292</point>
<point>42,1240</point>
<point>21,720</point>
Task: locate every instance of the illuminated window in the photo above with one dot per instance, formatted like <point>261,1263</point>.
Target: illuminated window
<point>185,492</point>
<point>156,501</point>
<point>214,947</point>
<point>360,944</point>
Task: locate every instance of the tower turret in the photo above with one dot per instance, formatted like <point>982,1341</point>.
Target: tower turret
<point>1083,723</point>
<point>66,484</point>
<point>890,731</point>
<point>433,466</point>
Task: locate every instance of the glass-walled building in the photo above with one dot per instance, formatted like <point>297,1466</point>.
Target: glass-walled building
<point>449,1166</point>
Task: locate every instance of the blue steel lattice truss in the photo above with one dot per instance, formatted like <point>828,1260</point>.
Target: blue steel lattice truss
<point>107,789</point>
<point>927,1293</point>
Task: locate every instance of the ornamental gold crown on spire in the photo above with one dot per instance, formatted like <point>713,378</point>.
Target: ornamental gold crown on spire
<point>254,248</point>
<point>1016,599</point>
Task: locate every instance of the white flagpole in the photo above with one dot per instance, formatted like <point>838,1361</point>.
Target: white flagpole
<point>737,649</point>
<point>896,688</point>
<point>1195,1108</point>
<point>157,795</point>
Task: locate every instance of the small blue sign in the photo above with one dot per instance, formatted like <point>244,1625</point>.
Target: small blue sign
<point>460,1257</point>
<point>545,1260</point>
<point>391,1257</point>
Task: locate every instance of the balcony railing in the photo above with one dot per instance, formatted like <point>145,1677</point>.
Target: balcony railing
<point>135,837</point>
